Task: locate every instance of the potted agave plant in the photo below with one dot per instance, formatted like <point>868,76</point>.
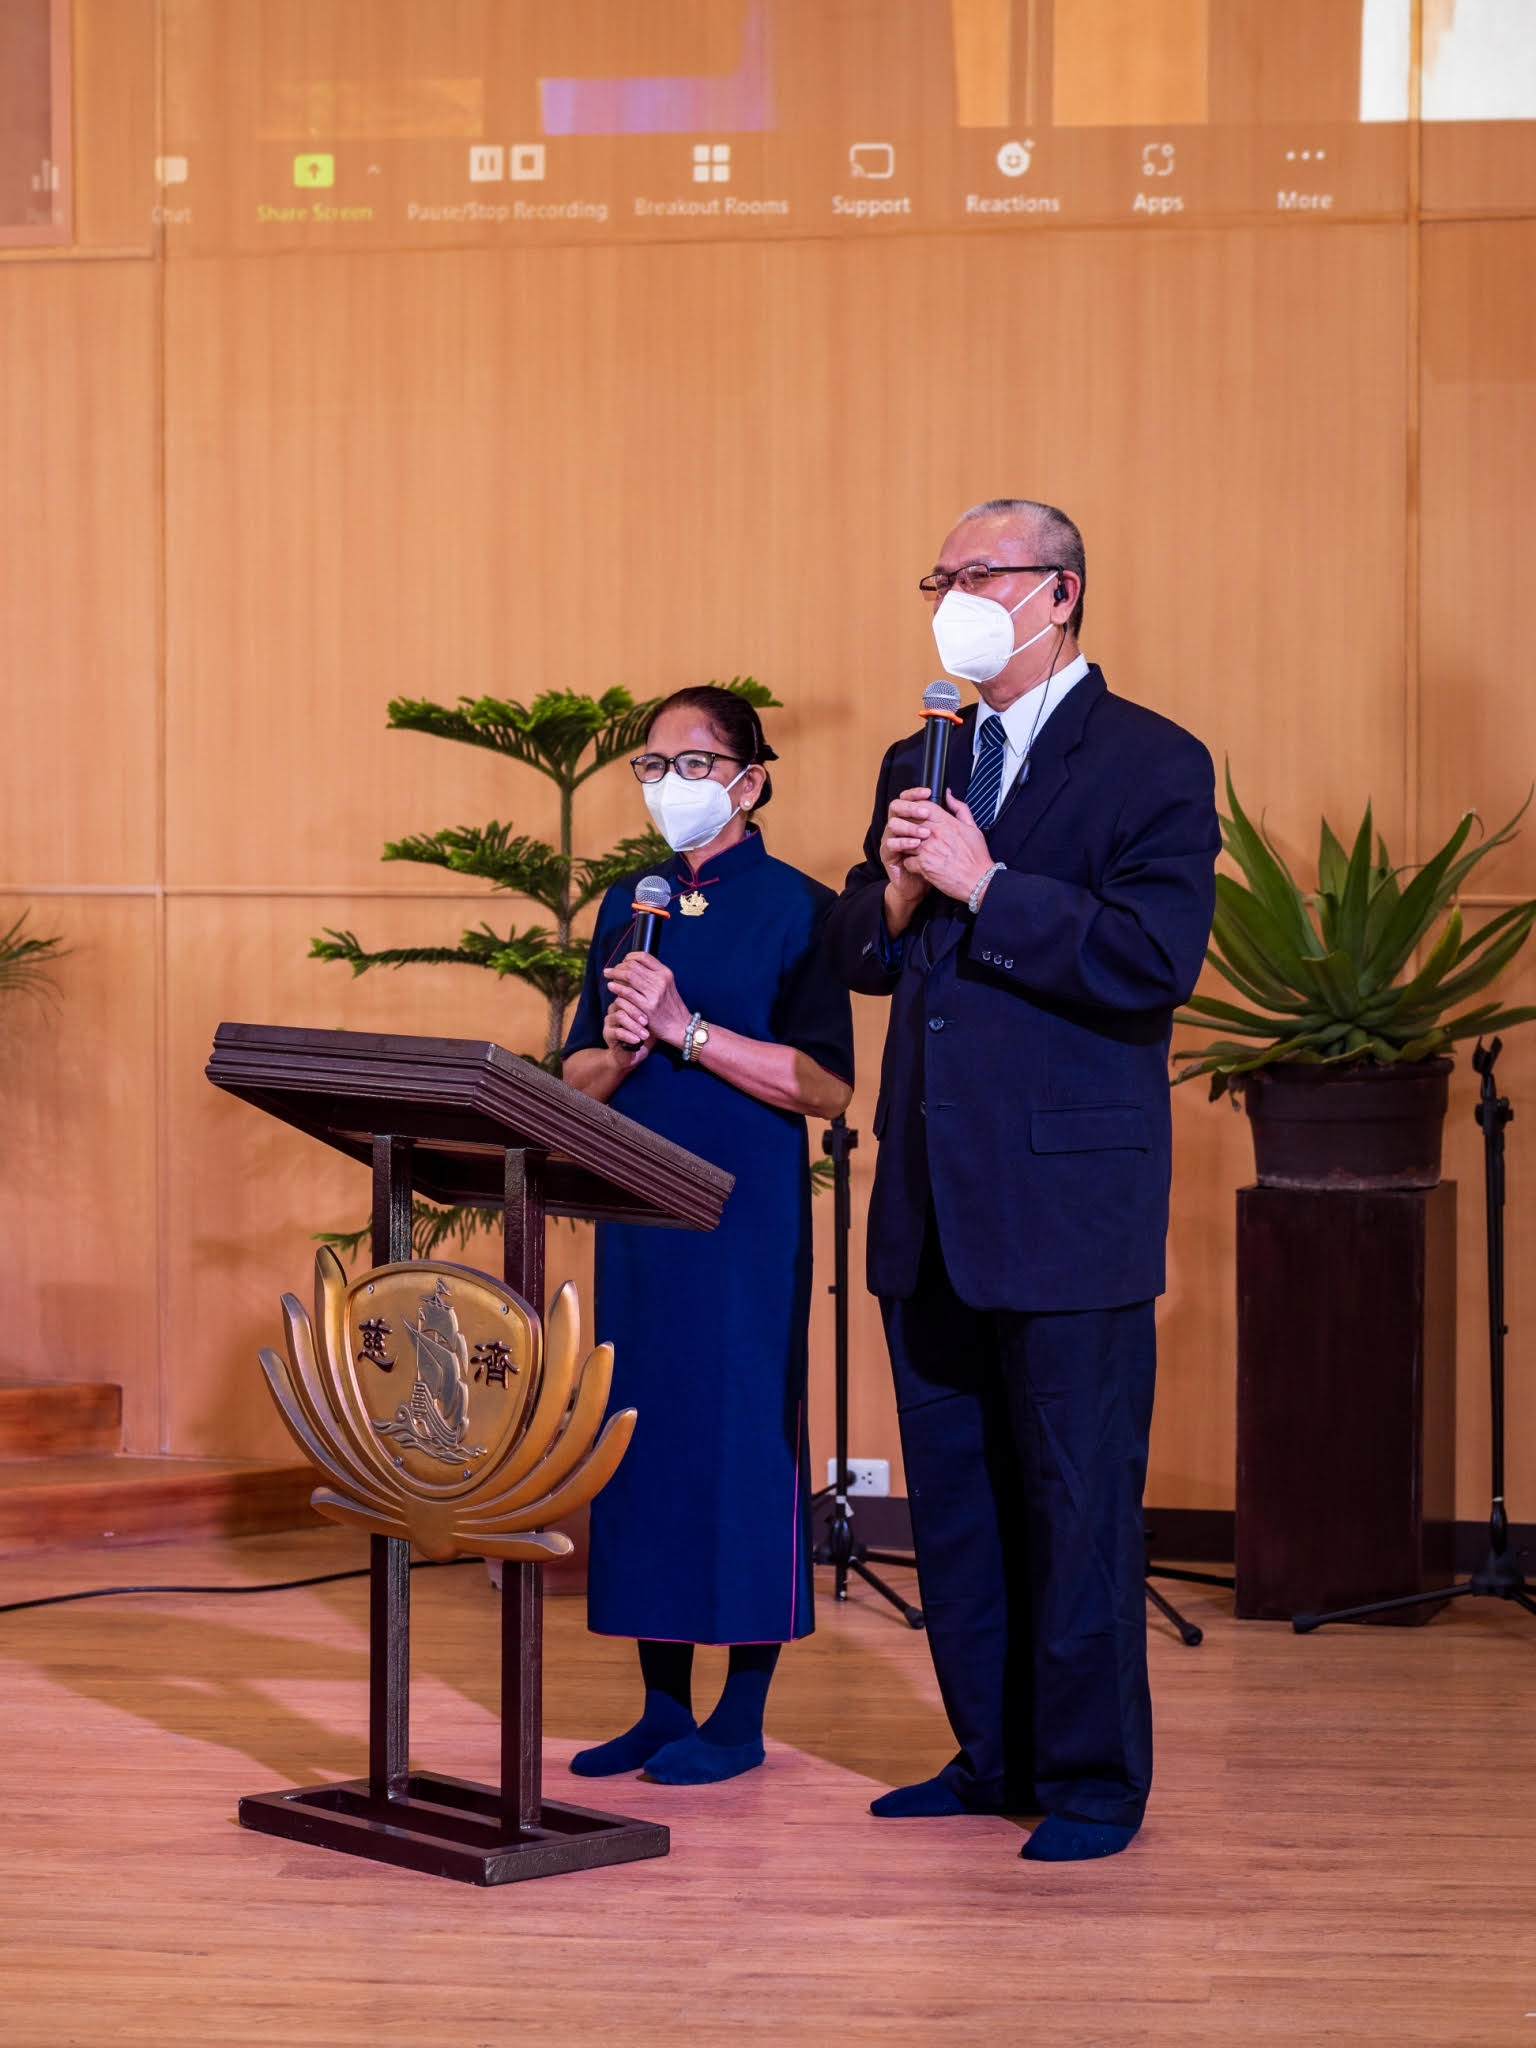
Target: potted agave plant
<point>1339,1046</point>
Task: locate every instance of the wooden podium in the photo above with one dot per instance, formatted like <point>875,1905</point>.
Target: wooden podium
<point>461,1121</point>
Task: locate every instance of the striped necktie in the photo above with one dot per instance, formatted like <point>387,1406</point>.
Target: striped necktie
<point>986,784</point>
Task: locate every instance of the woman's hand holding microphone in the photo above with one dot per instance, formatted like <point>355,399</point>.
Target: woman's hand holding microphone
<point>646,1009</point>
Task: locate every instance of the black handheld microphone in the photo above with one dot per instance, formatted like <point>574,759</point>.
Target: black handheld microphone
<point>652,895</point>
<point>941,714</point>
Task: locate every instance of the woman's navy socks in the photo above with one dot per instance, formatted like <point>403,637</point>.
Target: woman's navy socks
<point>665,1720</point>
<point>731,1740</point>
<point>667,1669</point>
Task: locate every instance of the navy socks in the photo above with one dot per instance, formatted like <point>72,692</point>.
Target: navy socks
<point>666,1744</point>
<point>932,1799</point>
<point>954,1790</point>
<point>739,1716</point>
<point>667,1669</point>
<point>662,1722</point>
<point>731,1740</point>
<point>1060,1839</point>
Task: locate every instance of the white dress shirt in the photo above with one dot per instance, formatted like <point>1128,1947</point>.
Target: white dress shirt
<point>1024,720</point>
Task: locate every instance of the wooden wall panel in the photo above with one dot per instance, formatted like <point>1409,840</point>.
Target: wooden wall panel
<point>1479,742</point>
<point>561,468</point>
<point>1479,440</point>
<point>1118,63</point>
<point>79,1273</point>
<point>78,580</point>
<point>116,61</point>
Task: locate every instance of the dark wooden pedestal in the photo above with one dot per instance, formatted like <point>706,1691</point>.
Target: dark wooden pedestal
<point>444,1826</point>
<point>418,1819</point>
<point>1346,1359</point>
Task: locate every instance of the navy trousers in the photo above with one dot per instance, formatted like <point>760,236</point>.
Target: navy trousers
<point>1025,1441</point>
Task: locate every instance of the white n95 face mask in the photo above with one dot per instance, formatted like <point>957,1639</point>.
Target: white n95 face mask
<point>975,634</point>
<point>689,814</point>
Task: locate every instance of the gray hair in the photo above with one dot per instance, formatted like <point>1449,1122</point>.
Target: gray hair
<point>1056,540</point>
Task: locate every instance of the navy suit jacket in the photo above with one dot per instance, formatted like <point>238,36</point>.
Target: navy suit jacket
<point>1025,1080</point>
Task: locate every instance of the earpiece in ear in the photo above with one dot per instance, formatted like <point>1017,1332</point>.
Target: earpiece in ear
<point>1059,595</point>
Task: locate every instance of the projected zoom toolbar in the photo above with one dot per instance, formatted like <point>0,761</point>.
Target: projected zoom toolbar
<point>769,185</point>
<point>507,119</point>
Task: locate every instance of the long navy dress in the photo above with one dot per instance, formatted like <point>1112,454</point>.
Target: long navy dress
<point>702,1535</point>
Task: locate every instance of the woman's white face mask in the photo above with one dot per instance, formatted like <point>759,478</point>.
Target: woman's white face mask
<point>975,634</point>
<point>690,814</point>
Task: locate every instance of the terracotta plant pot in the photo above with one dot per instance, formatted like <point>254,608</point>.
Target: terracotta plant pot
<point>1364,1126</point>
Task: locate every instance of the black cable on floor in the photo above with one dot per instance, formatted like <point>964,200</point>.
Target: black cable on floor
<point>420,1564</point>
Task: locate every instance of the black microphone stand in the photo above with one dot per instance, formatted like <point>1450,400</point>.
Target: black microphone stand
<point>839,1547</point>
<point>1500,1576</point>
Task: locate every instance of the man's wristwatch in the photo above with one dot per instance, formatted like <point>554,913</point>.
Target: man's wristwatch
<point>694,1037</point>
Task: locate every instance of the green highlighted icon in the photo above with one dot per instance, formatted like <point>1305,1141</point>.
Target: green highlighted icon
<point>314,170</point>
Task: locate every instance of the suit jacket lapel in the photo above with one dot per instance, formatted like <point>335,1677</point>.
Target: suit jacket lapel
<point>1027,800</point>
<point>1046,771</point>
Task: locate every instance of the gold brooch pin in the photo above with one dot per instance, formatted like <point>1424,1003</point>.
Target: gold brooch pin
<point>694,904</point>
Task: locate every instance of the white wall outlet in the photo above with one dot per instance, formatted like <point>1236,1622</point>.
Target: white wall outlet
<point>870,1475</point>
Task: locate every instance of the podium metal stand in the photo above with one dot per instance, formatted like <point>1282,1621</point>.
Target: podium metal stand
<point>464,1122</point>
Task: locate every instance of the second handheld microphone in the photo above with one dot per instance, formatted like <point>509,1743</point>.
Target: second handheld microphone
<point>941,714</point>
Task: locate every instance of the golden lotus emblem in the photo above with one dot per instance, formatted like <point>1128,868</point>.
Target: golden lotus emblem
<point>441,1410</point>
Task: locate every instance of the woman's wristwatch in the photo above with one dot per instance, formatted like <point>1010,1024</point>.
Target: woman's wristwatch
<point>694,1037</point>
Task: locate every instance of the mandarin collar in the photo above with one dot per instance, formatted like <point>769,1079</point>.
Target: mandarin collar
<point>747,853</point>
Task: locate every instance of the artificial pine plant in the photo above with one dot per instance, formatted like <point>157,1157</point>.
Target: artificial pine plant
<point>567,738</point>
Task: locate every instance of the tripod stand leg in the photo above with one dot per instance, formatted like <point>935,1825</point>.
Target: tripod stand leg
<point>1304,1624</point>
<point>913,1616</point>
<point>1191,1636</point>
<point>1168,1571</point>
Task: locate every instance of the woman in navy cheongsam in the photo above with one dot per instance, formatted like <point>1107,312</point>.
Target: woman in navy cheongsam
<point>724,1041</point>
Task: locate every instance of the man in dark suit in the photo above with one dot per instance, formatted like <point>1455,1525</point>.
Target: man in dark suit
<point>1034,939</point>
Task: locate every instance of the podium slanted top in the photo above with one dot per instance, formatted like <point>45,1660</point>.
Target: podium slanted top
<point>463,1102</point>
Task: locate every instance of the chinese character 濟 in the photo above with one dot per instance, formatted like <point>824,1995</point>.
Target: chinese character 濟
<point>494,1359</point>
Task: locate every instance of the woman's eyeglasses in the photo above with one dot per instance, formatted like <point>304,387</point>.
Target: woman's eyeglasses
<point>694,766</point>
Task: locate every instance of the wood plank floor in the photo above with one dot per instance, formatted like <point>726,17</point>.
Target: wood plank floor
<point>1340,1849</point>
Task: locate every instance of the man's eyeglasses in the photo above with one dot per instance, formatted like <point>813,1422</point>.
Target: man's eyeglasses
<point>693,766</point>
<point>975,576</point>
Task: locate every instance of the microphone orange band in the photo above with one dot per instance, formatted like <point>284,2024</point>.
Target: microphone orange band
<point>649,910</point>
<point>953,716</point>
